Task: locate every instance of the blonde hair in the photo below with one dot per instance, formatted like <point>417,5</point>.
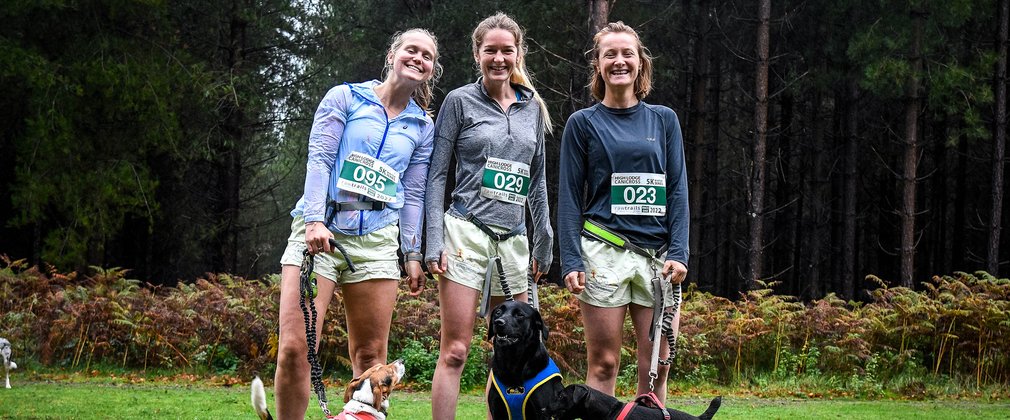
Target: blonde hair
<point>643,83</point>
<point>424,95</point>
<point>520,75</point>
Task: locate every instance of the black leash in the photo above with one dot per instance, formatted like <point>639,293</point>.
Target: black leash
<point>307,292</point>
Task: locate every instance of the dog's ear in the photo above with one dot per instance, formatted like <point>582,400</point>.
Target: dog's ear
<point>377,391</point>
<point>351,387</point>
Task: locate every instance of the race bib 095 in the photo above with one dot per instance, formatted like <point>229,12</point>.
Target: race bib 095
<point>506,180</point>
<point>368,176</point>
<point>638,194</point>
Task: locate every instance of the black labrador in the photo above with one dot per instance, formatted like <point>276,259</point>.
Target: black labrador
<point>522,371</point>
<point>582,402</point>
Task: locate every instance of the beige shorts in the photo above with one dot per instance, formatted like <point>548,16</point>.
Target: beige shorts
<point>615,277</point>
<point>374,254</point>
<point>468,250</point>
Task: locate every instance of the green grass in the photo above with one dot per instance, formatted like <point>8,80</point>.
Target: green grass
<point>122,399</point>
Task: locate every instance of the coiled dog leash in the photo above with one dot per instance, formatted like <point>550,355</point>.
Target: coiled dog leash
<point>307,292</point>
<point>662,324</point>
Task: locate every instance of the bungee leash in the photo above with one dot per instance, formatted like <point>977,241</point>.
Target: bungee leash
<point>307,292</point>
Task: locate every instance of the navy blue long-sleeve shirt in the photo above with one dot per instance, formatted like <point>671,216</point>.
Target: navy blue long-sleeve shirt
<point>597,143</point>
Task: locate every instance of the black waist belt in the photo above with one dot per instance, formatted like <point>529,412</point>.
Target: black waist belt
<point>596,231</point>
<point>495,236</point>
<point>357,205</point>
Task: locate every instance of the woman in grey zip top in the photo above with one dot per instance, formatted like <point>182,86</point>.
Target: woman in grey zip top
<point>623,211</point>
<point>369,150</point>
<point>495,127</point>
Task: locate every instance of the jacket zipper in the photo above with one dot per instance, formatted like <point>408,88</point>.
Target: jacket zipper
<point>361,213</point>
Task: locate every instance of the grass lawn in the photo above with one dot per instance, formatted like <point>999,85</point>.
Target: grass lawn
<point>52,399</point>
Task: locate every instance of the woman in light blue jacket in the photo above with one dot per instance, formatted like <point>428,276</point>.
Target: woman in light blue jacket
<point>369,151</point>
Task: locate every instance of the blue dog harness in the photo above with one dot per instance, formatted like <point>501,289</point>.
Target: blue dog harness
<point>515,399</point>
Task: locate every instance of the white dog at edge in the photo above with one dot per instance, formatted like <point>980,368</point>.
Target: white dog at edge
<point>5,350</point>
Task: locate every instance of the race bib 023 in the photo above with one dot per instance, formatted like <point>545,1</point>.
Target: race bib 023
<point>506,180</point>
<point>368,176</point>
<point>638,194</point>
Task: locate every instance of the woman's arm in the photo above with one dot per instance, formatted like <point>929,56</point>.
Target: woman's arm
<point>447,128</point>
<point>543,233</point>
<point>324,141</point>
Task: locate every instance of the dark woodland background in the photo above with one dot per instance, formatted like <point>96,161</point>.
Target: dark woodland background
<point>825,140</point>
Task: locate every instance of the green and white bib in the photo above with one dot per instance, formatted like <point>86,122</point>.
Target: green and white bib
<point>368,176</point>
<point>506,180</point>
<point>638,194</point>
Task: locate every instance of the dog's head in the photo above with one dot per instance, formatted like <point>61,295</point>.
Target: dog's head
<point>569,404</point>
<point>374,385</point>
<point>515,322</point>
<point>5,349</point>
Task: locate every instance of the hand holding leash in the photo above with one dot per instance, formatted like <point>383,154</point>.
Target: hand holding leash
<point>537,273</point>
<point>318,237</point>
<point>675,271</point>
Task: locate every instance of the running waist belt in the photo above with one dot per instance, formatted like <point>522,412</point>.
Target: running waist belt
<point>593,230</point>
<point>357,205</point>
<point>495,236</point>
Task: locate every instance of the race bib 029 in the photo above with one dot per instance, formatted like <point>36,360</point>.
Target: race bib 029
<point>506,180</point>
<point>638,194</point>
<point>368,176</point>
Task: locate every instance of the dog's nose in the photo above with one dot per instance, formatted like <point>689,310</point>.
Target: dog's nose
<point>499,322</point>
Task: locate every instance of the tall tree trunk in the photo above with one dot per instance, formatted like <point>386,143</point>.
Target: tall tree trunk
<point>848,271</point>
<point>757,181</point>
<point>911,156</point>
<point>719,266</point>
<point>786,215</point>
<point>812,220</point>
<point>999,148</point>
<point>599,12</point>
<point>698,141</point>
<point>234,128</point>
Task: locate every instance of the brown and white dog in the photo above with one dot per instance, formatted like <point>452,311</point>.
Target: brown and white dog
<point>366,397</point>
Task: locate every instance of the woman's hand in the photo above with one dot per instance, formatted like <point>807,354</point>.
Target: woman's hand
<point>537,274</point>
<point>576,281</point>
<point>317,238</point>
<point>438,267</point>
<point>415,275</point>
<point>676,270</point>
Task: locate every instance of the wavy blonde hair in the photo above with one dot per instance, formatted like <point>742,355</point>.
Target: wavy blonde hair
<point>643,83</point>
<point>520,75</point>
<point>424,95</point>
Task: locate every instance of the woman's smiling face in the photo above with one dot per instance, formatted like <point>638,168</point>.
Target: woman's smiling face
<point>618,60</point>
<point>497,55</point>
<point>415,58</point>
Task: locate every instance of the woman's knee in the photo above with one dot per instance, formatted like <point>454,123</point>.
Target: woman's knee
<point>454,354</point>
<point>604,366</point>
<point>291,351</point>
<point>367,356</point>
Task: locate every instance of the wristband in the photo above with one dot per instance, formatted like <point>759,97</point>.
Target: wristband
<point>413,256</point>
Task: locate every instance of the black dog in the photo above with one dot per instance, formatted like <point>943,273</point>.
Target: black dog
<point>582,402</point>
<point>521,370</point>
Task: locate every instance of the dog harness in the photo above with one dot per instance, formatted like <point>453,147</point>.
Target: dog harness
<point>515,402</point>
<point>347,415</point>
<point>646,400</point>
